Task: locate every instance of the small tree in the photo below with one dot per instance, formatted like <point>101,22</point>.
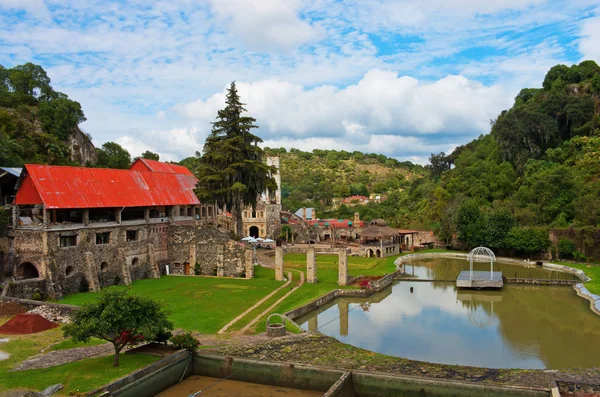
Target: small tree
<point>119,318</point>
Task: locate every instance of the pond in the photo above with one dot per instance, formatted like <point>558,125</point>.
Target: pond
<point>520,326</point>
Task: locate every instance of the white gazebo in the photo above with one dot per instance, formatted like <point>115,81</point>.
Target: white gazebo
<point>480,279</point>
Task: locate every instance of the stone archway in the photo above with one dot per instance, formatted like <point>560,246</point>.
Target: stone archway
<point>370,253</point>
<point>253,231</point>
<point>27,270</point>
<point>378,253</point>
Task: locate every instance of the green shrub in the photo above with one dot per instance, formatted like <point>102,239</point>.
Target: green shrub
<point>185,341</point>
<point>163,337</point>
<point>566,248</point>
<point>528,240</point>
<point>36,296</point>
<point>197,269</point>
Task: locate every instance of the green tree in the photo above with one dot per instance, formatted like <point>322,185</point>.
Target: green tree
<point>113,155</point>
<point>528,240</point>
<point>499,223</point>
<point>150,155</point>
<point>60,116</point>
<point>470,224</point>
<point>30,80</point>
<point>231,170</point>
<point>119,318</point>
<point>558,72</point>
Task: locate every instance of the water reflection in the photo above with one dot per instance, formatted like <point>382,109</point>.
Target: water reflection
<point>517,327</point>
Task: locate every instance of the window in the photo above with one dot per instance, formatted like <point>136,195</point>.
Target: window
<point>68,241</point>
<point>103,238</point>
<point>132,235</point>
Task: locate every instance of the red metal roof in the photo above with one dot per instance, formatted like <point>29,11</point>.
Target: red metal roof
<point>78,187</point>
<point>157,166</point>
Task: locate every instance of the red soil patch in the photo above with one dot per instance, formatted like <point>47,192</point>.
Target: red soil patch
<point>358,280</point>
<point>26,324</point>
<point>11,308</point>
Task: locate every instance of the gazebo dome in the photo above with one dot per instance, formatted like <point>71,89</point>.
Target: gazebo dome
<point>378,222</point>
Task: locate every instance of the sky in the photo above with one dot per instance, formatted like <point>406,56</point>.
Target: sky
<point>404,78</point>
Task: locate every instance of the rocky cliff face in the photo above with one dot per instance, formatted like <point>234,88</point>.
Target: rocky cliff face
<point>81,147</point>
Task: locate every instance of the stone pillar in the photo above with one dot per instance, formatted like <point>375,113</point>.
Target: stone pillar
<point>147,214</point>
<point>86,216</point>
<point>249,263</point>
<point>311,266</point>
<point>279,263</point>
<point>313,324</point>
<point>15,216</point>
<point>171,213</point>
<point>220,260</point>
<point>124,266</point>
<point>152,264</point>
<point>91,272</point>
<point>342,267</point>
<point>118,215</point>
<point>343,308</point>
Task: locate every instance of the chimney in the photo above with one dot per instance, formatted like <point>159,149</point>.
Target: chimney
<point>304,213</point>
<point>314,215</point>
<point>356,222</point>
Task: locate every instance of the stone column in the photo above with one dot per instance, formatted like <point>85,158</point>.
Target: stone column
<point>311,266</point>
<point>313,325</point>
<point>279,263</point>
<point>15,216</point>
<point>343,308</point>
<point>342,267</point>
<point>124,266</point>
<point>152,264</point>
<point>118,215</point>
<point>86,216</point>
<point>220,261</point>
<point>147,214</point>
<point>249,256</point>
<point>91,272</point>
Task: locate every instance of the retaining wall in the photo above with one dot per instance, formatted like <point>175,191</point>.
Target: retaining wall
<point>546,265</point>
<point>31,304</point>
<point>152,379</point>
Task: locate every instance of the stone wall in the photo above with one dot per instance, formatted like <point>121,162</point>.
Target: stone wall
<point>90,265</point>
<point>27,289</point>
<point>587,240</point>
<point>424,237</point>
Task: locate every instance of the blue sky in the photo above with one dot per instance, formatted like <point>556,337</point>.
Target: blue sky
<point>403,78</point>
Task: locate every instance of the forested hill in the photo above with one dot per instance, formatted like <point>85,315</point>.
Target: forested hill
<point>37,123</point>
<point>538,167</point>
<point>315,179</point>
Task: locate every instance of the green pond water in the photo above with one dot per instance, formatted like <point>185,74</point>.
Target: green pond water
<point>520,326</point>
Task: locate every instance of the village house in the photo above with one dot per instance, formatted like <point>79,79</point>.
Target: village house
<point>355,200</point>
<point>379,240</point>
<point>76,228</point>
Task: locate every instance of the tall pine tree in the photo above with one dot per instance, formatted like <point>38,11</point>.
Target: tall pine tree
<point>231,170</point>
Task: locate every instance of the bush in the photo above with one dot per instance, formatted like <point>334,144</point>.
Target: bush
<point>163,337</point>
<point>528,240</point>
<point>566,248</point>
<point>36,296</point>
<point>197,269</point>
<point>185,341</point>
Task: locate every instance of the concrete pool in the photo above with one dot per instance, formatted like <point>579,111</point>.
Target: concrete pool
<point>520,326</point>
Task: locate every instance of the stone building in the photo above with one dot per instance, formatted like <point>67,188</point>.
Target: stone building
<point>264,220</point>
<point>379,240</point>
<point>75,229</point>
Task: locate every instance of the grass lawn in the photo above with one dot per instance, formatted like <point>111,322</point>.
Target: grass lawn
<point>69,344</point>
<point>203,304</point>
<point>592,271</point>
<point>327,276</point>
<point>79,376</point>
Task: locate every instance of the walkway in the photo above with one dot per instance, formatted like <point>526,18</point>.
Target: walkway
<point>60,357</point>
<point>257,304</point>
<point>274,305</point>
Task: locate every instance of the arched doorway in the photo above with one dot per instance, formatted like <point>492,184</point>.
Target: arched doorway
<point>27,270</point>
<point>370,253</point>
<point>254,231</point>
<point>378,253</point>
<point>135,262</point>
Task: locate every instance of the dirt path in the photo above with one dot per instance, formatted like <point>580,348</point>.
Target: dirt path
<point>274,305</point>
<point>257,304</point>
<point>61,357</point>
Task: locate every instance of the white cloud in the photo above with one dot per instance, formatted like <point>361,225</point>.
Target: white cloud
<point>589,45</point>
<point>35,8</point>
<point>383,112</point>
<point>266,24</point>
